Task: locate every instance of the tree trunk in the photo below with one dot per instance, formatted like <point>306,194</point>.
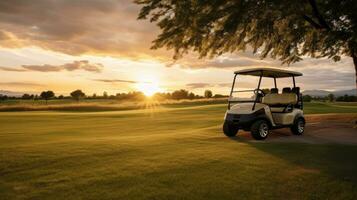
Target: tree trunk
<point>354,56</point>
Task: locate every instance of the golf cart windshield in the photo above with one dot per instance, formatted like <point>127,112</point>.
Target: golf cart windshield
<point>243,89</point>
<point>262,78</point>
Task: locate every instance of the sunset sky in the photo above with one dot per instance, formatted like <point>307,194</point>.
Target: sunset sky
<point>99,45</point>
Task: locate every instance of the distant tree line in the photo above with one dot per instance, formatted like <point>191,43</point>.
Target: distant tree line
<point>79,94</point>
<point>330,98</point>
<point>175,95</point>
<point>184,94</point>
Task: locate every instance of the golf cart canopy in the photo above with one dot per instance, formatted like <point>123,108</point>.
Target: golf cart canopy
<point>268,72</point>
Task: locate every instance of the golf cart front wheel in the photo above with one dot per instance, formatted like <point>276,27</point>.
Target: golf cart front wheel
<point>298,127</point>
<point>260,130</point>
<point>229,129</point>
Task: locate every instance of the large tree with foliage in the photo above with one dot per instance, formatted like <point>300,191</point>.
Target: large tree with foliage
<point>208,93</point>
<point>47,95</point>
<point>77,94</point>
<point>285,30</point>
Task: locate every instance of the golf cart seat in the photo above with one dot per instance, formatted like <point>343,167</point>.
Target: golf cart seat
<point>286,90</point>
<point>274,91</point>
<point>296,90</point>
<point>279,102</point>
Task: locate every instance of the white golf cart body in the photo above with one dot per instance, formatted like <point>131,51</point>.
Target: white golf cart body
<point>277,109</point>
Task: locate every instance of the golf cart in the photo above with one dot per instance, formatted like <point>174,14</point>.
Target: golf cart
<point>266,108</point>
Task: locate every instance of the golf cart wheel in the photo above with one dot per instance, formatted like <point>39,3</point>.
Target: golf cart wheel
<point>298,127</point>
<point>229,129</point>
<point>260,129</point>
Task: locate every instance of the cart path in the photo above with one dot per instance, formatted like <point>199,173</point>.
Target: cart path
<point>320,129</point>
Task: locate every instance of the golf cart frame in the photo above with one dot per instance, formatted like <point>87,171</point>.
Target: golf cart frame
<point>268,110</point>
<point>261,71</point>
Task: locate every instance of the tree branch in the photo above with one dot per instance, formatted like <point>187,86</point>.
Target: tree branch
<point>312,22</point>
<point>315,10</point>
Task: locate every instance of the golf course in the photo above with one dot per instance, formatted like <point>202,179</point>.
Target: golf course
<point>178,100</point>
<point>171,152</point>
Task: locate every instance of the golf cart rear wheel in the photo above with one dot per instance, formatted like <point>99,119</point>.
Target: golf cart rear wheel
<point>229,129</point>
<point>298,127</point>
<point>260,129</point>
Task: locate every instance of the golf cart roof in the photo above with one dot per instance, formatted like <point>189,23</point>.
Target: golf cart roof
<point>268,72</point>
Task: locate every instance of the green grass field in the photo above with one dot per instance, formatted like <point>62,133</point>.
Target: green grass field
<point>168,152</point>
<point>100,105</point>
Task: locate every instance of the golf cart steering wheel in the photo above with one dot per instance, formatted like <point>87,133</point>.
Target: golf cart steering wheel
<point>259,92</point>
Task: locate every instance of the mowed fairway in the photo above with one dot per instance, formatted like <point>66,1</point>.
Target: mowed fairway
<point>172,152</point>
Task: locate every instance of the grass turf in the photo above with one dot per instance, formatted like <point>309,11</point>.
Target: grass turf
<point>164,153</point>
<point>102,105</point>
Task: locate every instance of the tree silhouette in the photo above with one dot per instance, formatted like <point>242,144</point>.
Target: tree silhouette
<point>191,95</point>
<point>77,94</point>
<point>47,95</point>
<point>27,96</point>
<point>208,94</point>
<point>288,30</point>
<point>306,98</point>
<point>180,94</point>
<point>105,95</point>
<point>3,97</point>
<point>331,97</point>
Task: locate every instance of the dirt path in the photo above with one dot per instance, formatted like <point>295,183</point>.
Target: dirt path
<point>320,129</point>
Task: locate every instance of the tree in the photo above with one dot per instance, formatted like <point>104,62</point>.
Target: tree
<point>282,29</point>
<point>208,94</point>
<point>331,97</point>
<point>77,94</point>
<point>47,95</point>
<point>161,96</point>
<point>347,98</point>
<point>105,95</point>
<point>180,94</point>
<point>306,98</point>
<point>3,97</point>
<point>219,96</point>
<point>191,95</point>
<point>27,96</point>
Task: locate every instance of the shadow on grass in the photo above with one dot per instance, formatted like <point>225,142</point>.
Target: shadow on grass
<point>335,160</point>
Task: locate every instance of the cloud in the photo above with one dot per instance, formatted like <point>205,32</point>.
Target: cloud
<point>211,85</point>
<point>10,69</point>
<point>117,81</point>
<point>20,84</point>
<point>326,79</point>
<point>106,27</point>
<point>227,61</point>
<point>75,65</point>
<point>198,85</point>
<point>224,85</point>
<point>111,28</point>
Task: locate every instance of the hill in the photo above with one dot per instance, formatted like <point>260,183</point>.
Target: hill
<point>11,93</point>
<point>321,93</point>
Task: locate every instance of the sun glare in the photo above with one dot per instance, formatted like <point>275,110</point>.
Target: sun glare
<point>149,89</point>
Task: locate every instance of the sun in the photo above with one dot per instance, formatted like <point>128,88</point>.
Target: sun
<point>148,88</point>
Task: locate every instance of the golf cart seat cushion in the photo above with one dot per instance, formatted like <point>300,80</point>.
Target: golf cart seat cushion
<point>296,90</point>
<point>286,90</point>
<point>280,99</point>
<point>274,90</point>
